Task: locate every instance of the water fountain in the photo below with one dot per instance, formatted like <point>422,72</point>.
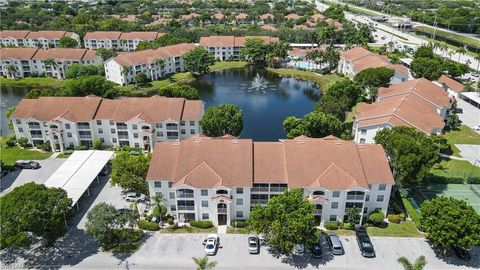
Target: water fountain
<point>258,84</point>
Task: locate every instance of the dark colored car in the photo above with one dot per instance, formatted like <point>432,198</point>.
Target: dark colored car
<point>27,164</point>
<point>462,253</point>
<point>458,110</point>
<point>364,243</point>
<point>316,250</point>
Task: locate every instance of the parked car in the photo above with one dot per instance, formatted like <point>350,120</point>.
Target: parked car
<point>461,253</point>
<point>458,110</point>
<point>27,164</point>
<point>476,128</point>
<point>253,244</point>
<point>211,244</point>
<point>364,243</point>
<point>316,250</point>
<point>135,197</point>
<point>335,244</point>
<point>299,249</point>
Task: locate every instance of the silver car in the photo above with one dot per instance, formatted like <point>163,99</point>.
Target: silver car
<point>253,244</point>
<point>335,244</point>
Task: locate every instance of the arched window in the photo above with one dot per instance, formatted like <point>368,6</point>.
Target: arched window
<point>355,195</point>
<point>185,193</point>
<point>222,192</point>
<point>318,193</point>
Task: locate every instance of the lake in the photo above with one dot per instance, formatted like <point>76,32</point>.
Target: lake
<point>9,97</point>
<point>265,99</point>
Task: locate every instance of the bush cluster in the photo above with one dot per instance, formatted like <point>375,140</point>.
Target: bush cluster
<point>239,223</point>
<point>376,217</point>
<point>412,213</point>
<point>396,218</point>
<point>81,147</point>
<point>170,221</point>
<point>10,141</point>
<point>331,225</point>
<point>202,224</point>
<point>147,225</point>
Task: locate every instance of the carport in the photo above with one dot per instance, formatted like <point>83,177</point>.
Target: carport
<point>471,97</point>
<point>78,172</point>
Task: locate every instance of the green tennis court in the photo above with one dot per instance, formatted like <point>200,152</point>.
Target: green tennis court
<point>469,193</point>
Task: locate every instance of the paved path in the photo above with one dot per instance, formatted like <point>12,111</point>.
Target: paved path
<point>470,152</point>
<point>470,115</point>
<point>222,229</point>
<point>452,157</point>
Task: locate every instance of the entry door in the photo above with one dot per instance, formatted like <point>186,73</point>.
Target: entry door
<point>222,219</point>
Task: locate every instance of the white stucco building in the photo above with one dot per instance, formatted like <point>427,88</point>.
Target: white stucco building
<point>154,64</point>
<point>417,103</point>
<point>137,122</point>
<point>221,179</point>
<point>228,47</point>
<point>124,41</point>
<point>35,39</point>
<point>26,62</point>
<point>357,59</point>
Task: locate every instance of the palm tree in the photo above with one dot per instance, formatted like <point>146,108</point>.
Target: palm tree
<point>204,264</point>
<point>12,70</point>
<point>477,57</point>
<point>126,69</point>
<point>390,46</point>
<point>160,62</point>
<point>461,51</point>
<point>450,54</point>
<point>419,264</point>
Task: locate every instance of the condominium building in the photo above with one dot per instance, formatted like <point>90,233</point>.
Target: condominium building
<point>33,39</point>
<point>26,62</point>
<point>127,41</point>
<point>221,179</point>
<point>453,87</point>
<point>417,103</point>
<point>154,64</point>
<point>137,122</point>
<point>228,47</point>
<point>357,59</point>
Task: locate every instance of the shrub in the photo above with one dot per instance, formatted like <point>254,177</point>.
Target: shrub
<point>376,217</point>
<point>97,145</point>
<point>147,225</point>
<point>10,141</point>
<point>203,224</point>
<point>170,221</point>
<point>412,213</point>
<point>68,152</point>
<point>239,223</point>
<point>402,216</point>
<point>394,218</point>
<point>81,147</point>
<point>23,142</point>
<point>46,146</point>
<point>331,225</point>
<point>348,226</point>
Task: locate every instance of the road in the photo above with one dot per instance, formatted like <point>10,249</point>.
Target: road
<point>393,34</point>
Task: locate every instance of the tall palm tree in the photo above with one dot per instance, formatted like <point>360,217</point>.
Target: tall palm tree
<point>50,62</point>
<point>12,70</point>
<point>450,54</point>
<point>477,57</point>
<point>204,264</point>
<point>419,264</point>
<point>461,51</point>
<point>390,46</point>
<point>160,62</point>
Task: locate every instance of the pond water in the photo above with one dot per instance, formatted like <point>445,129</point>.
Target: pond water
<point>9,97</point>
<point>265,99</point>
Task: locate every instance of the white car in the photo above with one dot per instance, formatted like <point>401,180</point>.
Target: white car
<point>211,244</point>
<point>299,249</point>
<point>134,197</point>
<point>477,128</point>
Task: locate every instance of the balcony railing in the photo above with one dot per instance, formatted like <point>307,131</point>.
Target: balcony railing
<point>186,208</point>
<point>33,126</point>
<point>222,210</point>
<point>259,189</point>
<point>355,197</point>
<point>85,136</point>
<point>359,210</point>
<point>277,189</point>
<point>172,137</point>
<point>258,201</point>
<point>121,127</point>
<point>123,137</point>
<point>185,195</point>
<point>172,127</point>
<point>36,136</point>
<point>318,212</point>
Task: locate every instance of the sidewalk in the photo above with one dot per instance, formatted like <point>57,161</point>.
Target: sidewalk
<point>222,229</point>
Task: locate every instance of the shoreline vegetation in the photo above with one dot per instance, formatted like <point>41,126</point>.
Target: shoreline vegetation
<point>322,81</point>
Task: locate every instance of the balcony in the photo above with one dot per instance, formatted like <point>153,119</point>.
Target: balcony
<point>259,189</point>
<point>172,127</point>
<point>355,197</point>
<point>277,189</point>
<point>258,201</point>
<point>185,196</point>
<point>186,208</point>
<point>85,136</point>
<point>123,137</point>
<point>121,127</point>
<point>36,136</point>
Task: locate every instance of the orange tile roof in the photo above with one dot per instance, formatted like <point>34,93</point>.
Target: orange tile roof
<point>301,27</point>
<point>422,87</point>
<point>292,16</point>
<point>48,34</point>
<point>17,34</point>
<point>301,162</point>
<point>454,85</point>
<point>232,41</point>
<point>218,16</point>
<point>64,54</point>
<point>112,35</point>
<point>140,35</point>
<point>363,59</point>
<point>190,16</point>
<point>17,53</point>
<point>269,27</point>
<point>241,16</point>
<point>267,16</point>
<point>318,17</point>
<point>149,56</point>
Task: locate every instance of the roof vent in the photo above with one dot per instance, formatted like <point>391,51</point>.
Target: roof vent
<point>198,141</point>
<point>176,143</point>
<point>235,141</point>
<point>338,142</point>
<point>301,142</point>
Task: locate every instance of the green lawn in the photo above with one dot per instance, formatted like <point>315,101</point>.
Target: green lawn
<point>464,135</point>
<point>189,230</point>
<point>38,82</point>
<point>450,168</point>
<point>323,81</point>
<point>405,229</point>
<point>11,154</point>
<point>450,36</point>
<point>228,64</point>
<point>233,230</point>
<point>351,114</point>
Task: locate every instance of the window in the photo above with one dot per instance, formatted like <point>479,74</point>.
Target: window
<point>363,131</point>
<point>171,195</point>
<point>157,184</point>
<point>112,130</point>
<point>370,186</point>
<point>318,193</point>
<point>205,216</point>
<point>334,205</point>
<point>114,140</point>
<point>239,190</point>
<point>70,144</point>
<point>18,121</point>
<point>192,123</point>
<point>135,135</point>
<point>69,134</point>
<point>134,126</point>
<point>100,131</point>
<point>182,123</point>
<point>204,203</point>
<point>159,133</point>
<point>336,194</point>
<point>102,140</point>
<point>367,198</point>
<point>173,208</point>
<point>20,129</point>
<point>67,126</point>
<point>382,187</point>
<point>239,201</point>
<point>99,122</point>
<point>111,123</point>
<point>158,125</point>
<point>170,184</point>
<point>204,192</point>
<point>333,218</point>
<point>365,210</point>
<point>239,214</point>
<point>192,131</point>
<point>183,131</point>
<point>362,140</point>
<point>380,198</point>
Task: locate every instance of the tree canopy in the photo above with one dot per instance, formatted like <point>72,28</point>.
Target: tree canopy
<point>314,125</point>
<point>130,171</point>
<point>222,120</point>
<point>198,60</point>
<point>450,222</point>
<point>373,78</point>
<point>285,221</point>
<point>36,209</point>
<point>68,42</point>
<point>102,222</point>
<point>411,153</point>
<point>77,70</point>
<point>165,40</point>
<point>84,86</point>
<point>185,91</point>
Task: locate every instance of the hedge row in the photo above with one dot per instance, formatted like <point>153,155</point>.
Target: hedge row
<point>412,213</point>
<point>239,223</point>
<point>147,225</point>
<point>203,224</point>
<point>331,225</point>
